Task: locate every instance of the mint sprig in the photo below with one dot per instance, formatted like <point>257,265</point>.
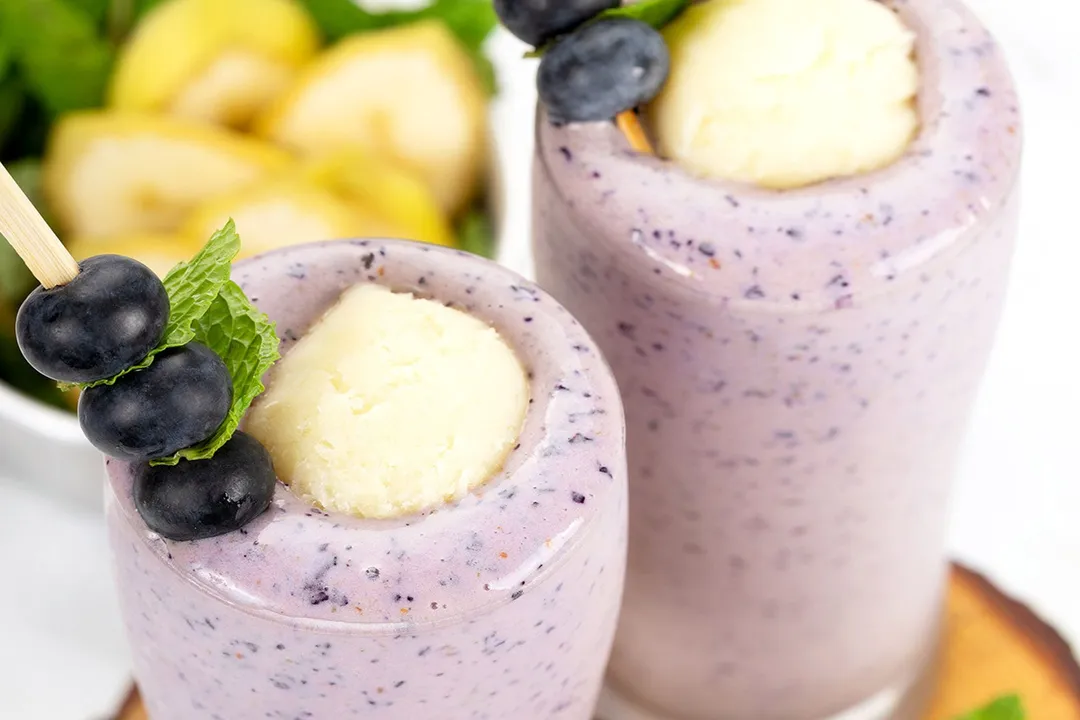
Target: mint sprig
<point>1004,708</point>
<point>246,340</point>
<point>655,13</point>
<point>206,306</point>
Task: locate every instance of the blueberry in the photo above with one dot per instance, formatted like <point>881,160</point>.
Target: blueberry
<point>602,69</point>
<point>104,321</point>
<point>537,21</point>
<point>204,498</point>
<point>177,402</point>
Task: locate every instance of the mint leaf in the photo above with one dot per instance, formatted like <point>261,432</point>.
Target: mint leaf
<point>193,287</point>
<point>475,233</point>
<point>61,57</point>
<point>1005,708</point>
<point>206,306</point>
<point>655,13</point>
<point>247,342</point>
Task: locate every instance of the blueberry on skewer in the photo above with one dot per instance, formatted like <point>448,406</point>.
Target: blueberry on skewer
<point>105,320</point>
<point>205,498</point>
<point>602,69</point>
<point>176,403</point>
<point>538,21</point>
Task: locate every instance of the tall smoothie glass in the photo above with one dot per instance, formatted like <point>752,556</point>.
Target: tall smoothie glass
<point>502,605</point>
<point>798,369</point>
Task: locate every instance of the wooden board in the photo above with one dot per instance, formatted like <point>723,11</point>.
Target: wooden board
<point>993,646</point>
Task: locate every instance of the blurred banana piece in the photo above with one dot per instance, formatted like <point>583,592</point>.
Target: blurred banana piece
<point>408,92</point>
<point>386,189</point>
<point>284,212</point>
<point>219,61</point>
<point>110,174</point>
<point>160,253</point>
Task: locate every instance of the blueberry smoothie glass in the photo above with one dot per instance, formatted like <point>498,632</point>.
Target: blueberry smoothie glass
<point>798,368</point>
<point>501,605</point>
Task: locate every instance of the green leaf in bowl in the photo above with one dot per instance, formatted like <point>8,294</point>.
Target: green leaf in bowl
<point>12,96</point>
<point>476,234</point>
<point>59,51</point>
<point>95,10</point>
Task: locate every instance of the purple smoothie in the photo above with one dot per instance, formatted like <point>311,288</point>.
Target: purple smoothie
<point>798,370</point>
<point>500,606</point>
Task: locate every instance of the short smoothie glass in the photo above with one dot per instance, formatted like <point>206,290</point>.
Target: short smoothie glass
<point>798,369</point>
<point>501,605</point>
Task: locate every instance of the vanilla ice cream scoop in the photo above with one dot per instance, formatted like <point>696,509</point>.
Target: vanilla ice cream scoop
<point>785,93</point>
<point>390,405</point>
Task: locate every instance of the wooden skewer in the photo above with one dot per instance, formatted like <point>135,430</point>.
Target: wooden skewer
<point>35,242</point>
<point>630,125</point>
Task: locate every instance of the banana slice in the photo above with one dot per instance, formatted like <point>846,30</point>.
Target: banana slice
<point>409,92</point>
<point>220,61</point>
<point>281,212</point>
<point>110,174</point>
<point>386,189</point>
<point>160,253</point>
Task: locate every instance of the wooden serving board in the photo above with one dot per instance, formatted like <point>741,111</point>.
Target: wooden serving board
<point>993,646</point>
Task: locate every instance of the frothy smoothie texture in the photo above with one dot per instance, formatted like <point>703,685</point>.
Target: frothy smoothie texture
<point>453,543</point>
<point>797,297</point>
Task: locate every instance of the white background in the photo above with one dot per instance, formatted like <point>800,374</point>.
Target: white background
<point>1018,507</point>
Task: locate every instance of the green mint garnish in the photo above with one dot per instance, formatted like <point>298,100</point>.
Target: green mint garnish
<point>655,13</point>
<point>1005,708</point>
<point>245,339</point>
<point>207,307</point>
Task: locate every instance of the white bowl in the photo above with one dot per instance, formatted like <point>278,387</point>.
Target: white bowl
<point>44,446</point>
